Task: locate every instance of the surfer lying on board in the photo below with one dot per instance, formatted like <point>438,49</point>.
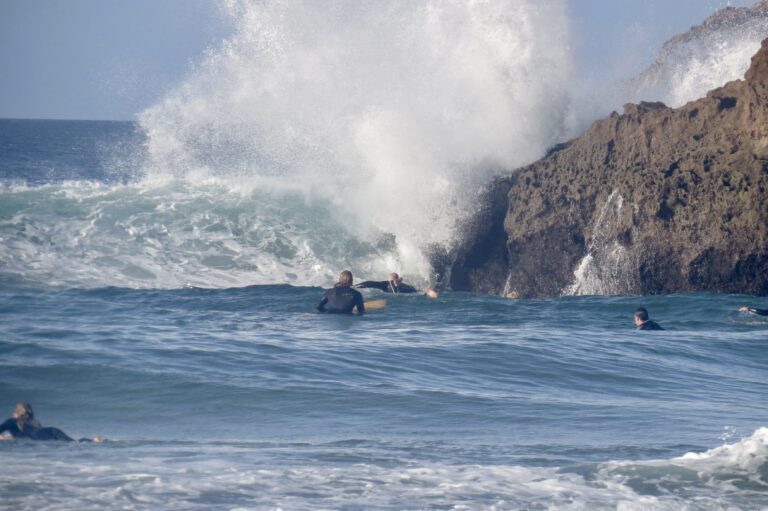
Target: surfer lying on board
<point>395,285</point>
<point>23,424</point>
<point>752,310</point>
<point>342,298</point>
<point>643,322</point>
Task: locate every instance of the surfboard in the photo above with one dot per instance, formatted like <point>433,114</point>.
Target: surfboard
<point>375,304</point>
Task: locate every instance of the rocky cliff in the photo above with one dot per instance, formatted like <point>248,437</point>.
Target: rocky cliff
<point>656,200</point>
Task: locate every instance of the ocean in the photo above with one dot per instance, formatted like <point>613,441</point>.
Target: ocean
<point>175,318</point>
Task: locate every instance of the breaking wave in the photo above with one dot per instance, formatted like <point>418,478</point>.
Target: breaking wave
<point>724,478</point>
<point>389,114</point>
<point>320,137</point>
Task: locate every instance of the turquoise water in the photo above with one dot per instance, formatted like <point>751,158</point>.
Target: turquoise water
<point>134,311</point>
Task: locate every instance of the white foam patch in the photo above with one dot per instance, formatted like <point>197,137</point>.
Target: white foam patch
<point>745,457</point>
<point>237,476</point>
<point>166,484</point>
<point>170,234</point>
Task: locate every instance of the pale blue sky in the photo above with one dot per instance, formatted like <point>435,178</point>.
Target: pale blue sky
<point>110,59</point>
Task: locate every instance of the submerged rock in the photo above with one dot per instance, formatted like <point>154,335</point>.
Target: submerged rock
<point>655,200</point>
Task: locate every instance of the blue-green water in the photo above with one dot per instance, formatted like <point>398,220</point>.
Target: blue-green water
<point>148,313</point>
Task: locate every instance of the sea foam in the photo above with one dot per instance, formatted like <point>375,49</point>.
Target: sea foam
<point>187,474</point>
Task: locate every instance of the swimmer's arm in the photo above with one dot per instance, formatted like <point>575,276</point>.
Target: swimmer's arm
<point>94,440</point>
<point>405,288</point>
<point>323,301</point>
<point>7,426</point>
<point>360,304</point>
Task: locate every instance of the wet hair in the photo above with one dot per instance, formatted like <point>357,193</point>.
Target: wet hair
<point>23,410</point>
<point>345,279</point>
<point>394,276</point>
<point>641,314</point>
<point>25,416</point>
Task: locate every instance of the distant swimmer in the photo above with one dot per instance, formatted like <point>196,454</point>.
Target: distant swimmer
<point>752,310</point>
<point>23,424</point>
<point>342,299</point>
<point>395,285</point>
<point>643,322</point>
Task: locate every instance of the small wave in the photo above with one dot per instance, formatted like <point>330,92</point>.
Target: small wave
<point>341,474</point>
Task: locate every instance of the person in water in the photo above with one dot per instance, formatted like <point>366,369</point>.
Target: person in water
<point>342,299</point>
<point>643,322</point>
<point>23,424</point>
<point>395,285</point>
<point>752,310</point>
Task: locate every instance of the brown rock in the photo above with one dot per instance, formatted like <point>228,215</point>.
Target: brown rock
<point>656,200</point>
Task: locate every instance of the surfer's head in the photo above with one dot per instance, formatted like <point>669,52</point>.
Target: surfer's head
<point>641,315</point>
<point>345,279</point>
<point>24,416</point>
<point>394,277</point>
<point>23,410</point>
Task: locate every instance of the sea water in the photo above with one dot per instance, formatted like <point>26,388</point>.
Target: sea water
<point>127,317</point>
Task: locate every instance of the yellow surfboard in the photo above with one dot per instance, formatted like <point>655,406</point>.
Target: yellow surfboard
<point>375,304</point>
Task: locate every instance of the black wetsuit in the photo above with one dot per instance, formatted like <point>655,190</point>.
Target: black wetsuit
<point>759,312</point>
<point>389,286</point>
<point>341,300</point>
<point>649,325</point>
<point>18,430</point>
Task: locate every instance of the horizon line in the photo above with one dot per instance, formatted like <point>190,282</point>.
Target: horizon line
<point>62,119</point>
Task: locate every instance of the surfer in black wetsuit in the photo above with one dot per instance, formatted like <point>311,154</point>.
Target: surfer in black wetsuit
<point>643,322</point>
<point>752,310</point>
<point>342,298</point>
<point>23,424</point>
<point>395,285</point>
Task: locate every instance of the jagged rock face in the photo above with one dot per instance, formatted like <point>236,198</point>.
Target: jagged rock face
<point>656,200</point>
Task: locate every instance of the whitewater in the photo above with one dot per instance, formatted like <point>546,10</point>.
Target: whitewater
<point>158,280</point>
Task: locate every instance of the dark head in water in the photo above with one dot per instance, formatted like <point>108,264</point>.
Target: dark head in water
<point>643,321</point>
<point>641,315</point>
<point>345,279</point>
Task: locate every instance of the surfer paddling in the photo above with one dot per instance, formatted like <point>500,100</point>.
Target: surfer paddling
<point>644,322</point>
<point>395,285</point>
<point>752,310</point>
<point>23,424</point>
<point>342,299</point>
